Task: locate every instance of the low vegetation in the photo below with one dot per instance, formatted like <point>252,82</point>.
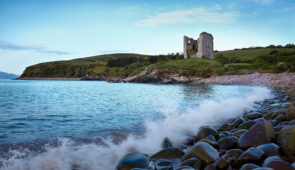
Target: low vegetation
<point>272,59</point>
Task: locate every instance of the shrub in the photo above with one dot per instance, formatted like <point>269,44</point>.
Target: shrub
<point>121,61</point>
<point>221,59</point>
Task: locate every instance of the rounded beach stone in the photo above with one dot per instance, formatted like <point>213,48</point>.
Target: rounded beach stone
<point>276,162</point>
<point>212,143</point>
<point>280,118</point>
<point>227,142</point>
<point>260,133</point>
<point>239,132</point>
<point>253,115</point>
<point>165,168</point>
<point>292,122</point>
<point>268,116</point>
<point>164,162</point>
<point>192,162</point>
<point>206,131</point>
<point>290,113</point>
<point>210,167</point>
<point>225,127</point>
<point>221,163</point>
<point>286,139</point>
<point>166,143</point>
<point>252,155</point>
<point>232,154</point>
<point>211,137</point>
<point>249,166</point>
<point>168,153</point>
<point>205,152</point>
<point>185,168</point>
<point>133,160</point>
<point>246,125</point>
<point>288,104</point>
<point>238,121</point>
<point>269,149</point>
<point>223,134</point>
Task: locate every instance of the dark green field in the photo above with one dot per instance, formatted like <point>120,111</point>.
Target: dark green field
<point>241,61</point>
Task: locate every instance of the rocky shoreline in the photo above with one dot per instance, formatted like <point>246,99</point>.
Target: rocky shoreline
<point>281,81</point>
<point>260,139</point>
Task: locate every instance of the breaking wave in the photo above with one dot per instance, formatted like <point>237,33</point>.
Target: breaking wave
<point>176,126</point>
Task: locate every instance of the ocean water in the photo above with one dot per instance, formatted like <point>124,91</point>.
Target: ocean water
<point>92,124</point>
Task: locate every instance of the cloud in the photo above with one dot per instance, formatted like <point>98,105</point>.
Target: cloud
<point>9,46</point>
<point>214,15</point>
<point>263,1</point>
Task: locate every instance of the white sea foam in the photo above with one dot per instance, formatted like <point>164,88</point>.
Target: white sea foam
<point>176,126</point>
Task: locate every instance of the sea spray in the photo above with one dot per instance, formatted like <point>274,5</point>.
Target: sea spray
<point>176,126</point>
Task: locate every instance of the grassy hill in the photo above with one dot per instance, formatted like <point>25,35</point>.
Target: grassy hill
<point>239,61</point>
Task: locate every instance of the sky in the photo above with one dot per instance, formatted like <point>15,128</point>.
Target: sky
<point>35,31</point>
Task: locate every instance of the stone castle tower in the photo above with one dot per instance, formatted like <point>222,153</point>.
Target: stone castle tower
<point>201,48</point>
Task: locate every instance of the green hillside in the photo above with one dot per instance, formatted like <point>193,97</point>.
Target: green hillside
<point>239,61</point>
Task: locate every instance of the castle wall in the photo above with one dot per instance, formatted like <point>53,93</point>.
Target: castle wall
<point>205,46</point>
<point>188,45</point>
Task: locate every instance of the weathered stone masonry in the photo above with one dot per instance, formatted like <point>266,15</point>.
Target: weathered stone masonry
<point>201,48</point>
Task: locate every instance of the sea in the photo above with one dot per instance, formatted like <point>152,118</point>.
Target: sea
<point>65,125</point>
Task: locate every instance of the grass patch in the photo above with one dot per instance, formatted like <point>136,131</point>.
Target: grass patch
<point>242,61</point>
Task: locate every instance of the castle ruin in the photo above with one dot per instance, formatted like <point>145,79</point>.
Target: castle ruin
<point>201,48</point>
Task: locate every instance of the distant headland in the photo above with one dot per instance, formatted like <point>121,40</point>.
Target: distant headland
<point>198,62</point>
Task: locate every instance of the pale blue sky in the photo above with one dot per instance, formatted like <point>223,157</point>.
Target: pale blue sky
<point>34,31</point>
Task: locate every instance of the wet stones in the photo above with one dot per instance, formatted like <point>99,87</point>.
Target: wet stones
<point>252,155</point>
<point>253,115</point>
<point>210,167</point>
<point>221,163</point>
<point>232,155</point>
<point>225,127</point>
<point>238,121</point>
<point>133,160</point>
<point>185,168</point>
<point>224,134</point>
<point>206,131</point>
<point>249,166</point>
<point>276,162</point>
<point>228,142</point>
<point>286,139</point>
<point>166,143</point>
<point>261,140</point>
<point>205,152</point>
<point>246,125</point>
<point>239,132</point>
<point>269,149</point>
<point>290,113</point>
<point>260,133</point>
<point>164,162</point>
<point>192,162</point>
<point>168,153</point>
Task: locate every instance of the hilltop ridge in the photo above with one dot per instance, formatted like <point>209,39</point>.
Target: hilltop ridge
<point>156,68</point>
